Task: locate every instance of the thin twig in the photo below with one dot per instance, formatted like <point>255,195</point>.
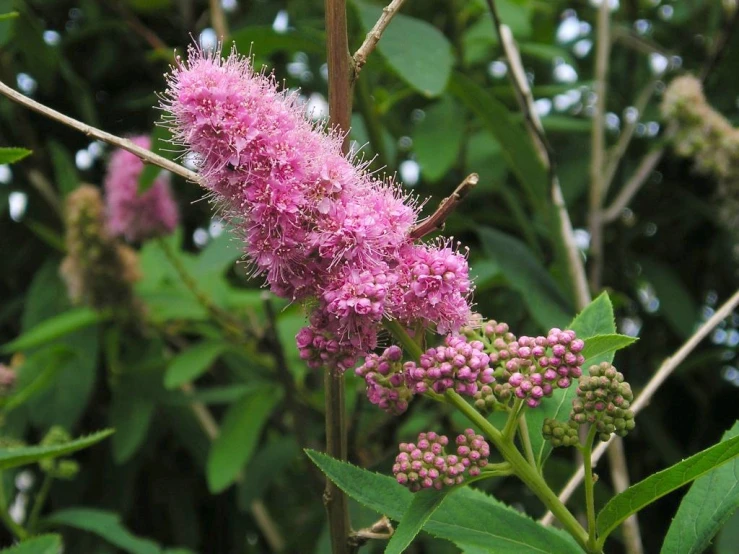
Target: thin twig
<point>138,27</point>
<point>340,108</point>
<point>436,220</point>
<point>632,186</point>
<point>597,161</point>
<point>621,482</point>
<point>664,371</point>
<point>218,19</point>
<point>534,127</point>
<point>145,155</point>
<point>373,37</point>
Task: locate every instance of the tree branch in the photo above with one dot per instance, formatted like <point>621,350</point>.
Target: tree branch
<point>664,371</point>
<point>218,19</point>
<point>436,220</point>
<point>146,155</point>
<point>373,37</point>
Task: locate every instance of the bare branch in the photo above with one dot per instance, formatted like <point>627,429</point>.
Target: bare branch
<point>218,19</point>
<point>145,155</point>
<point>373,37</point>
<point>664,371</point>
<point>632,186</point>
<point>446,207</point>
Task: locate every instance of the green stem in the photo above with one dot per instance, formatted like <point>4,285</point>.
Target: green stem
<point>510,424</point>
<point>589,489</point>
<point>523,470</point>
<point>523,433</point>
<point>231,325</point>
<point>19,532</point>
<point>39,501</point>
<point>402,336</point>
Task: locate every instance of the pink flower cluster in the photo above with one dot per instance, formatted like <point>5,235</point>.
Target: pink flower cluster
<point>530,367</point>
<point>386,386</point>
<point>425,465</point>
<point>457,364</point>
<point>130,214</point>
<point>316,224</point>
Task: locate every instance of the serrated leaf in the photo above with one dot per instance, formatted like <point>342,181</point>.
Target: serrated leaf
<point>604,344</point>
<point>518,151</point>
<point>106,525</point>
<point>595,320</point>
<point>438,137</point>
<point>525,274</point>
<point>423,505</point>
<point>418,52</point>
<point>190,364</point>
<point>240,432</point>
<point>54,328</point>
<point>23,455</point>
<point>468,517</point>
<point>12,155</point>
<point>636,497</point>
<point>42,544</point>
<point>705,508</point>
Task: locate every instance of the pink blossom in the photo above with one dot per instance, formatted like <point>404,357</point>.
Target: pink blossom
<point>130,214</point>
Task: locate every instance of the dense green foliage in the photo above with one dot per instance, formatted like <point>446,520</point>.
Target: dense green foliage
<point>433,98</point>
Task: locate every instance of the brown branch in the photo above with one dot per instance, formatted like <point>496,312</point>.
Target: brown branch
<point>373,37</point>
<point>643,399</point>
<point>142,153</point>
<point>436,220</point>
<point>632,186</point>
<point>340,108</point>
<point>138,27</point>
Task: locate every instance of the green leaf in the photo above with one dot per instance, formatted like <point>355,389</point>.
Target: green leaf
<point>423,505</point>
<point>54,328</point>
<point>12,155</point>
<point>728,538</point>
<point>265,467</point>
<point>65,172</point>
<point>676,303</point>
<point>518,151</point>
<point>705,508</point>
<point>42,544</point>
<point>192,363</point>
<point>130,415</point>
<point>595,320</point>
<point>468,517</point>
<point>416,50</point>
<point>161,143</point>
<point>605,344</point>
<point>36,374</point>
<point>656,486</point>
<point>263,40</point>
<point>240,432</point>
<point>438,137</point>
<point>525,274</point>
<point>9,15</point>
<point>106,525</point>
<point>24,455</point>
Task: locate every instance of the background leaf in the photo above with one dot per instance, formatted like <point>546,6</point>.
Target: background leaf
<point>438,137</point>
<point>240,432</point>
<point>12,155</point>
<point>418,52</point>
<point>705,508</point>
<point>422,506</point>
<point>42,544</point>
<point>190,364</point>
<point>656,486</point>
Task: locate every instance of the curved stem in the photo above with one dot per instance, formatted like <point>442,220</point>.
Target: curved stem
<point>510,425</point>
<point>589,489</point>
<point>523,433</point>
<point>39,501</point>
<point>523,470</point>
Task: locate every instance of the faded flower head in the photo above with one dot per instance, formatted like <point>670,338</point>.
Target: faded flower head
<point>316,223</point>
<point>97,270</point>
<point>130,214</point>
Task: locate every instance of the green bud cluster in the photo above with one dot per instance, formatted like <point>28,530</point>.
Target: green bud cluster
<point>603,399</point>
<point>58,468</point>
<point>560,433</point>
